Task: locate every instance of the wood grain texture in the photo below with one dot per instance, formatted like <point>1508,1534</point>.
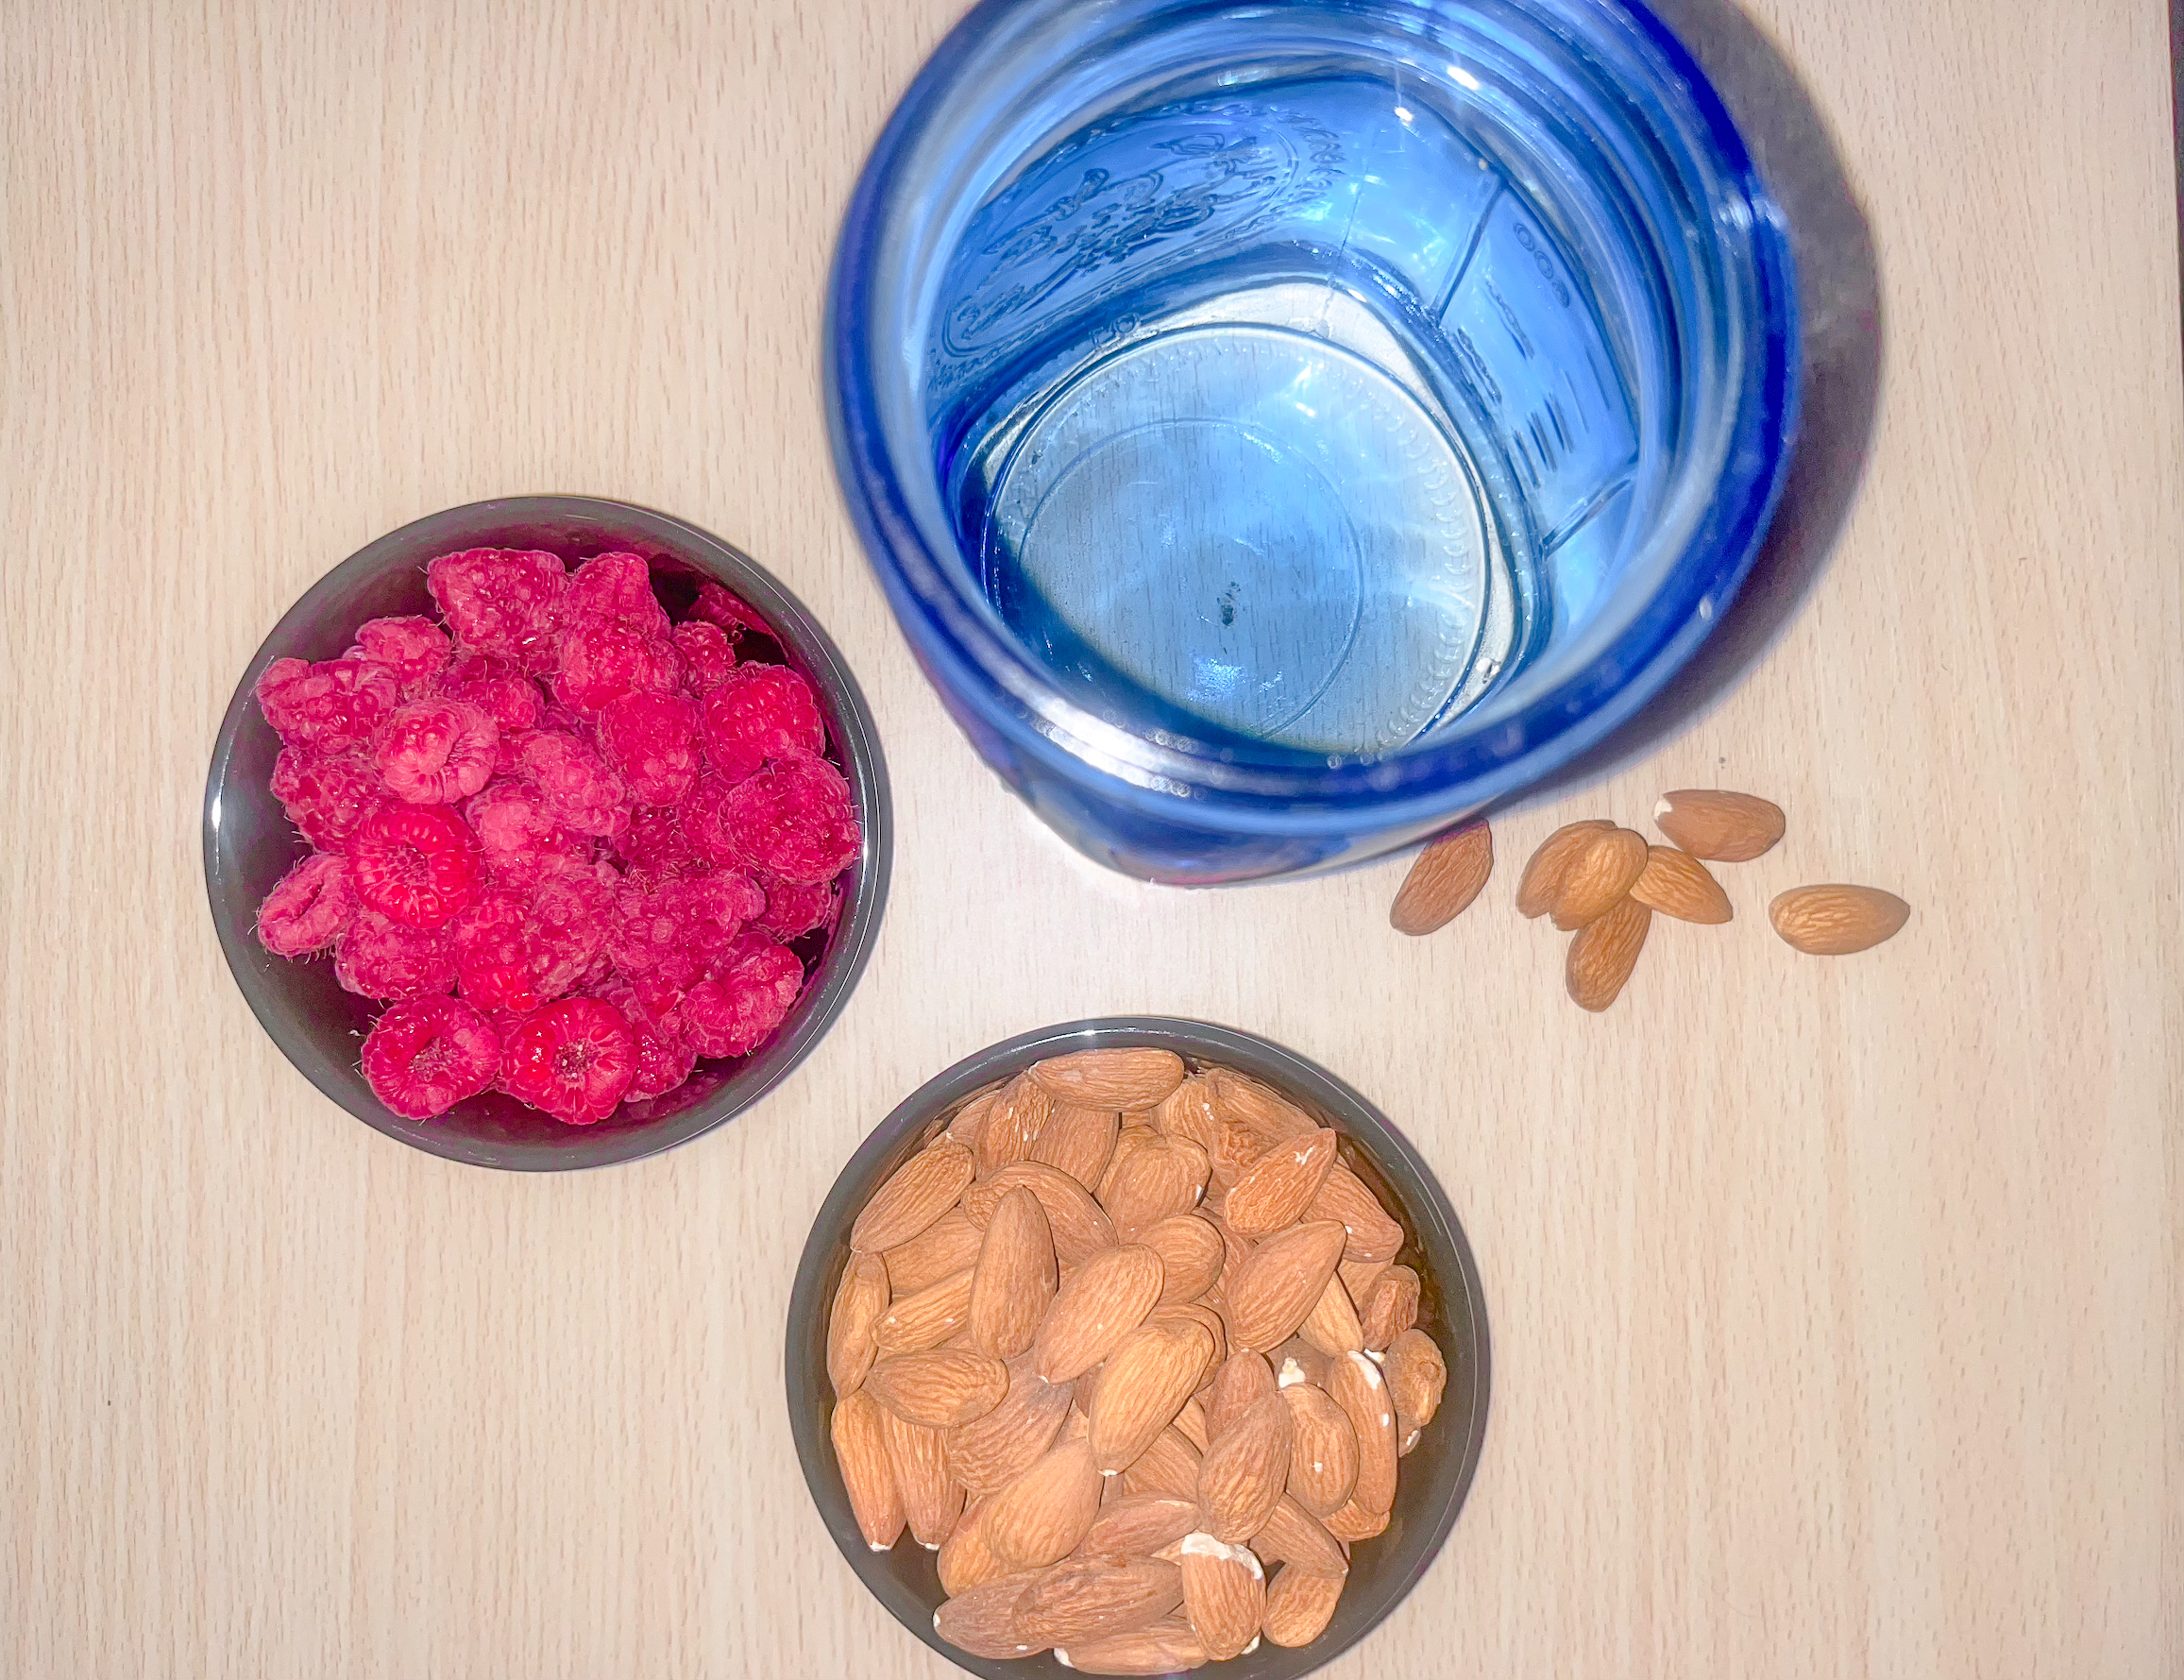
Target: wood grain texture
<point>1838,1307</point>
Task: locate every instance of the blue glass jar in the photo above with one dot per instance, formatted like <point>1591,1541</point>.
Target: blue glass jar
<point>1281,430</point>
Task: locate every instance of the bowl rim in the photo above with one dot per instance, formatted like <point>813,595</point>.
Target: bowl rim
<point>810,1402</point>
<point>858,927</point>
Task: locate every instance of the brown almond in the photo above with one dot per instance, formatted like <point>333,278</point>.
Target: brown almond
<point>1191,1421</point>
<point>1139,1389</point>
<point>1600,877</point>
<point>1242,1380</point>
<point>1677,884</point>
<point>1540,890</point>
<point>1275,1190</point>
<point>1223,1594</point>
<point>1353,1523</point>
<point>1298,1361</point>
<point>1080,1228</point>
<point>1187,1111</point>
<point>1837,921</point>
<point>1078,1142</point>
<point>860,1299</point>
<point>1293,1535</point>
<point>1015,1278</point>
<point>1012,1124</point>
<point>1191,1254</point>
<point>1140,1524</point>
<point>1246,1469</point>
<point>1416,1376</point>
<point>964,1561</point>
<point>1391,1308</point>
<point>1603,954</point>
<point>1332,1326</point>
<point>1200,1313</point>
<point>971,1118</point>
<point>932,1498</point>
<point>943,1248</point>
<point>1448,874</point>
<point>1156,1178</point>
<point>939,1387</point>
<point>1094,1594</point>
<point>1299,1605</point>
<point>1323,1450</point>
<point>1280,1283</point>
<point>1170,1464</point>
<point>1167,1647</point>
<point>1359,1276</point>
<point>1725,827</point>
<point>1242,1100</point>
<point>1236,1249</point>
<point>1112,1078</point>
<point>1100,1303</point>
<point>981,1619</point>
<point>859,1431</point>
<point>921,1190</point>
<point>1371,1234</point>
<point>989,1452</point>
<point>1039,1518</point>
<point>927,1318</point>
<point>1354,1383</point>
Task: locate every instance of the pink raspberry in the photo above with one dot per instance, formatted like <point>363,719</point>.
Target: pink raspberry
<point>327,706</point>
<point>380,958</point>
<point>749,995</point>
<point>494,969</point>
<point>716,605</point>
<point>574,1059</point>
<point>794,909</point>
<point>678,928</point>
<point>308,907</point>
<point>495,685</point>
<point>434,752</point>
<point>665,1055</point>
<point>795,819</point>
<point>602,662</point>
<point>502,601</point>
<point>707,658</point>
<point>423,1058</point>
<point>652,740</point>
<point>704,817</point>
<point>613,589</point>
<point>327,797</point>
<point>521,842</point>
<point>657,843</point>
<point>761,712</point>
<point>580,792</point>
<point>414,649</point>
<point>415,863</point>
<point>568,921</point>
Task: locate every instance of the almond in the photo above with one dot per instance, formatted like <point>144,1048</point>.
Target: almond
<point>964,1561</point>
<point>1165,1647</point>
<point>860,1299</point>
<point>1170,1466</point>
<point>1012,1124</point>
<point>1603,954</point>
<point>1359,1276</point>
<point>1599,877</point>
<point>1080,1228</point>
<point>932,1498</point>
<point>1191,1254</point>
<point>1039,1518</point>
<point>1187,1111</point>
<point>1280,1283</point>
<point>1112,1078</point>
<point>1726,827</point>
<point>1372,1235</point>
<point>989,1452</point>
<point>1391,1308</point>
<point>1241,1100</point>
<point>1332,1326</point>
<point>1354,1383</point>
<point>1676,884</point>
<point>922,1189</point>
<point>1447,876</point>
<point>1540,890</point>
<point>1191,1421</point>
<point>1199,1312</point>
<point>1095,1594</point>
<point>1242,1380</point>
<point>1098,1304</point>
<point>942,1249</point>
<point>939,1387</point>
<point>1291,1535</point>
<point>927,1318</point>
<point>1298,1361</point>
<point>1015,1276</point>
<point>1323,1450</point>
<point>1244,1470</point>
<point>1223,1594</point>
<point>1416,1376</point>
<point>1157,1179</point>
<point>971,1118</point>
<point>1353,1523</point>
<point>1299,1605</point>
<point>1140,1524</point>
<point>860,1432</point>
<point>1141,1388</point>
<point>1235,1248</point>
<point>981,1619</point>
<point>1078,1142</point>
<point>1275,1190</point>
<point>1837,921</point>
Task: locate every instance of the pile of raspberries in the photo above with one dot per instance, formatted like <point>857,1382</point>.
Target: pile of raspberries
<point>566,841</point>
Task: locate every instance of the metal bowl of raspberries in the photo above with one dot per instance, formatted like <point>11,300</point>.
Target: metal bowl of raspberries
<point>547,833</point>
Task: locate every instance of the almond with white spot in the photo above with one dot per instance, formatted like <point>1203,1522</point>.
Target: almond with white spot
<point>932,1498</point>
<point>1013,1124</point>
<point>859,1433</point>
<point>982,1619</point>
<point>1223,1594</point>
<point>1355,1384</point>
<point>1725,827</point>
<point>1323,1450</point>
<point>1417,1375</point>
<point>1372,1234</point>
<point>927,1318</point>
<point>1275,1190</point>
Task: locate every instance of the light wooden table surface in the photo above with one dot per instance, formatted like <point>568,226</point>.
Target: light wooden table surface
<point>1835,1305</point>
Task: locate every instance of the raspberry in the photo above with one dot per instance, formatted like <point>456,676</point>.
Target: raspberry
<point>580,792</point>
<point>502,601</point>
<point>327,797</point>
<point>716,605</point>
<point>795,819</point>
<point>414,649</point>
<point>707,659</point>
<point>794,909</point>
<point>704,819</point>
<point>521,842</point>
<point>665,1055</point>
<point>327,706</point>
<point>573,1059</point>
<point>602,662</point>
<point>652,740</point>
<point>379,957</point>
<point>434,752</point>
<point>308,907</point>
<point>498,686</point>
<point>415,863</point>
<point>761,712</point>
<point>424,1058</point>
<point>678,928</point>
<point>494,969</point>
<point>658,843</point>
<point>613,589</point>
<point>568,923</point>
<point>748,996</point>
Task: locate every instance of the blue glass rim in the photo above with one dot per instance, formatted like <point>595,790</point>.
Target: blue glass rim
<point>1282,788</point>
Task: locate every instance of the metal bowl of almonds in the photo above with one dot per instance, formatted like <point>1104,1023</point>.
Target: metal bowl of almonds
<point>1138,1347</point>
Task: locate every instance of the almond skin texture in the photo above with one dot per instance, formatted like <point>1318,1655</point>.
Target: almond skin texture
<point>1540,890</point>
<point>964,1561</point>
<point>982,1619</point>
<point>1372,1235</point>
<point>1013,1124</point>
<point>1241,1100</point>
<point>923,1187</point>
<point>1599,877</point>
<point>1323,1450</point>
<point>943,1248</point>
<point>1282,1282</point>
<point>971,1118</point>
<point>1080,1228</point>
<point>1170,1466</point>
<point>1223,1594</point>
<point>1391,1308</point>
<point>1112,1078</point>
<point>1417,1377</point>
<point>1242,1380</point>
<point>1141,1388</point>
<point>1354,1383</point>
<point>859,1300</point>
<point>1725,827</point>
<point>1078,1142</point>
<point>927,1318</point>
<point>932,1499</point>
<point>1603,954</point>
<point>1140,1524</point>
<point>1299,1605</point>
<point>1095,1594</point>
<point>989,1452</point>
<point>1353,1523</point>
<point>1291,1535</point>
<point>1167,1647</point>
<point>1837,921</point>
<point>1677,884</point>
<point>1332,1326</point>
<point>1275,1190</point>
<point>1100,1303</point>
<point>940,1387</point>
<point>1039,1517</point>
<point>1246,1469</point>
<point>1015,1278</point>
<point>1448,874</point>
<point>1191,1254</point>
<point>1298,1362</point>
<point>860,1432</point>
<point>1200,1313</point>
<point>1190,1423</point>
<point>1156,1180</point>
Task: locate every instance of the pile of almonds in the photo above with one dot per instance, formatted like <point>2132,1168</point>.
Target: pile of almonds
<point>1116,1341</point>
<point>1603,884</point>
